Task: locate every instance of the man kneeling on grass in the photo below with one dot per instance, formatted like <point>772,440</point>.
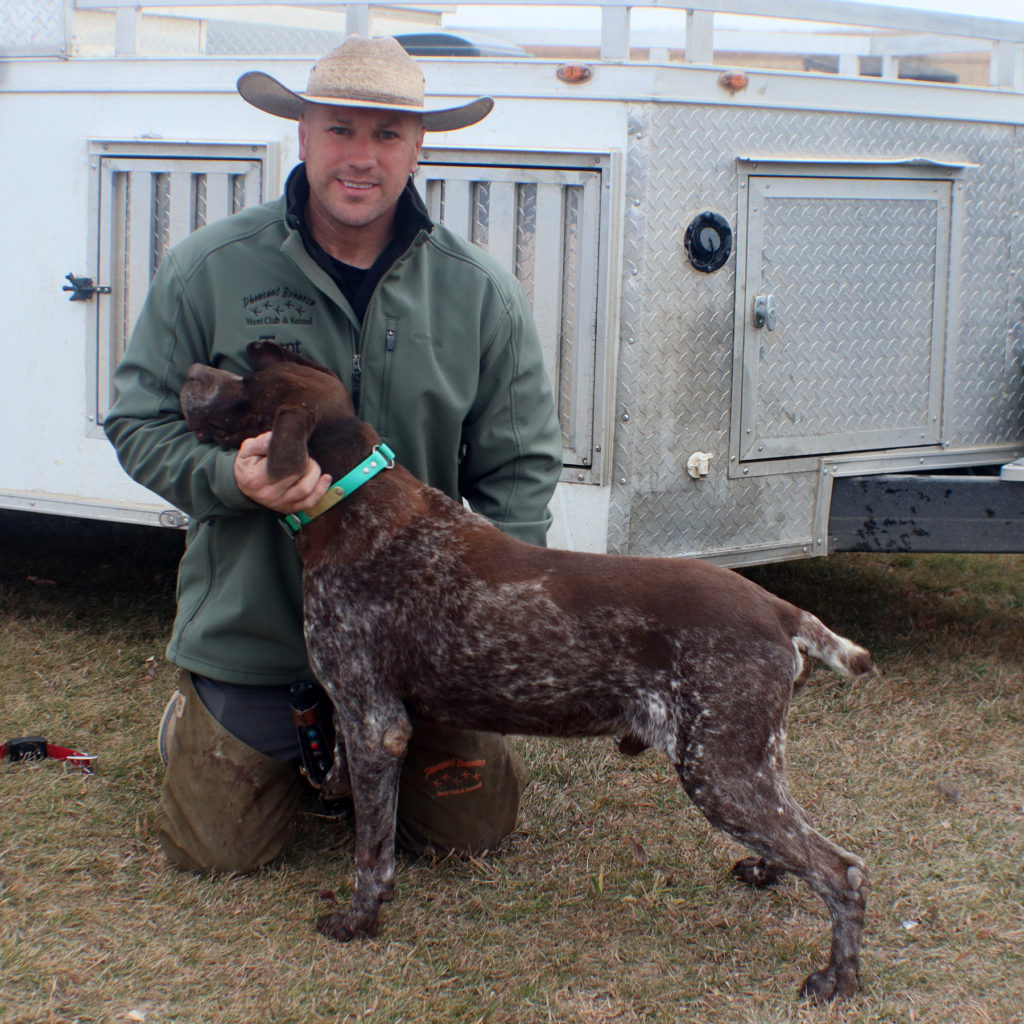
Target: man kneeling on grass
<point>438,347</point>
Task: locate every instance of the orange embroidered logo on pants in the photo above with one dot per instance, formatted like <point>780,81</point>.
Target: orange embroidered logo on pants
<point>455,777</point>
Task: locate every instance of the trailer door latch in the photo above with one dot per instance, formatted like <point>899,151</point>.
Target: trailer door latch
<point>764,311</point>
<point>82,289</point>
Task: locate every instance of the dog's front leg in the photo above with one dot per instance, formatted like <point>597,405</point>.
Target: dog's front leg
<point>376,749</point>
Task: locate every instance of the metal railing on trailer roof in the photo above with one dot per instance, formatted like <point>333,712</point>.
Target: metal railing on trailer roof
<point>906,31</point>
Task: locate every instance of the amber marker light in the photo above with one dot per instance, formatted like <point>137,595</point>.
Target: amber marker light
<point>733,80</point>
<point>574,74</point>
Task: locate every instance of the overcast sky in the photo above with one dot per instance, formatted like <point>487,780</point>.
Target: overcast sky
<point>1012,10</point>
<point>482,17</point>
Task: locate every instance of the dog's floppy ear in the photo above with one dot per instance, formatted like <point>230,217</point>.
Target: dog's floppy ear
<point>289,433</point>
<point>268,353</point>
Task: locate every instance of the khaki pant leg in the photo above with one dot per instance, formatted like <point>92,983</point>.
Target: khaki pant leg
<point>224,805</point>
<point>459,790</point>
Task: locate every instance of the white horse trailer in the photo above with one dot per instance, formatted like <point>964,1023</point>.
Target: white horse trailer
<point>783,310</point>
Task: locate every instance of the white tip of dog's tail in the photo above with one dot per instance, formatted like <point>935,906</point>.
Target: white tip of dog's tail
<point>840,654</point>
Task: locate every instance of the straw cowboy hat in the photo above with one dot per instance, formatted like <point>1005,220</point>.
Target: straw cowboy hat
<point>373,73</point>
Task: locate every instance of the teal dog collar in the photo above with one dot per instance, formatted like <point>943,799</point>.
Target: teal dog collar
<point>381,458</point>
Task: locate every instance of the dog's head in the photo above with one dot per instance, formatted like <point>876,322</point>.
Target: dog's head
<point>285,393</point>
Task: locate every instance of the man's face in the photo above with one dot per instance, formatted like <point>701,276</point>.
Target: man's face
<point>357,162</point>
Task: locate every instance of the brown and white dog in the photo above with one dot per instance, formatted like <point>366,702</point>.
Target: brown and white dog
<point>419,610</point>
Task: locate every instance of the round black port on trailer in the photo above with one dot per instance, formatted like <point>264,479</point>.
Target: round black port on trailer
<point>708,241</point>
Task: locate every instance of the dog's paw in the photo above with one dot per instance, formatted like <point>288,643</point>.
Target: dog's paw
<point>824,986</point>
<point>756,871</point>
<point>348,926</point>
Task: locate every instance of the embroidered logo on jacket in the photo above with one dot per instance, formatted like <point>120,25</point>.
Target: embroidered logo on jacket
<point>280,306</point>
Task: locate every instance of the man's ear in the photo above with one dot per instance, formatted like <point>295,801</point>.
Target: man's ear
<point>418,146</point>
<point>291,429</point>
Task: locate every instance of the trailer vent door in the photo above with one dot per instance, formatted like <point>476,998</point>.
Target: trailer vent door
<point>549,227</point>
<point>148,197</point>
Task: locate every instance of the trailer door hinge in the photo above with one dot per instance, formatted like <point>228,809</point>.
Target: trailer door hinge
<point>82,289</point>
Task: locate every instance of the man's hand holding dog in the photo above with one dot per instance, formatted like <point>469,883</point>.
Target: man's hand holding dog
<point>296,493</point>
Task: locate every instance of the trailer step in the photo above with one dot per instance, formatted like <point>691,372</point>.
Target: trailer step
<point>927,513</point>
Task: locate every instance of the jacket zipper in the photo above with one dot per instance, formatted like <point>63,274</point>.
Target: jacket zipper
<point>357,355</point>
<point>357,378</point>
<point>389,334</point>
<point>390,337</point>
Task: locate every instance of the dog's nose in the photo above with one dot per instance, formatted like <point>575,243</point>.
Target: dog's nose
<point>197,393</point>
<point>203,380</point>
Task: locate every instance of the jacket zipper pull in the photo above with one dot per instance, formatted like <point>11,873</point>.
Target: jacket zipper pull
<point>389,339</point>
<point>357,378</point>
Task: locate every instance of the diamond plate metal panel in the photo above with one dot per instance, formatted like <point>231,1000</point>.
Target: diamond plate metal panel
<point>632,320</point>
<point>853,277</point>
<point>32,28</point>
<point>676,357</point>
<point>720,517</point>
<point>1015,336</point>
<point>232,37</point>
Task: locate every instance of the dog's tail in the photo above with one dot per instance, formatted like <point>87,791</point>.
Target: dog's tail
<point>813,637</point>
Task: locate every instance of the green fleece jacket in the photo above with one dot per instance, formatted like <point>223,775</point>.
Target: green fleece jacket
<point>451,376</point>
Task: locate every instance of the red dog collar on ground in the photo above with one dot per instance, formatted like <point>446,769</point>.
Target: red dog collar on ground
<point>35,748</point>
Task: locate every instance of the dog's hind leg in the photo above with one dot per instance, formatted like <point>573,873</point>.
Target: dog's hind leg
<point>757,810</point>
<point>375,748</point>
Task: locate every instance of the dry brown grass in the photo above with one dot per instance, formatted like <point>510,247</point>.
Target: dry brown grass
<point>612,902</point>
